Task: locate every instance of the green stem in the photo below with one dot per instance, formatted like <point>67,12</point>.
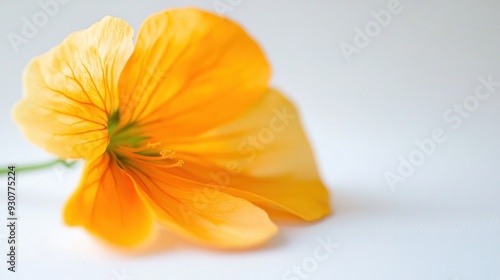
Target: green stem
<point>39,166</point>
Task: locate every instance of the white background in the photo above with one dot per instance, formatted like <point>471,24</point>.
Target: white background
<point>442,223</point>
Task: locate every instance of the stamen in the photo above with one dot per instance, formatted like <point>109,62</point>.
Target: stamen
<point>178,163</point>
<point>153,155</point>
<point>167,153</point>
<point>154,145</point>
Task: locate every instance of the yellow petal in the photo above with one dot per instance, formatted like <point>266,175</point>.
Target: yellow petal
<point>217,220</point>
<point>107,204</point>
<point>70,91</point>
<point>190,72</point>
<point>262,156</point>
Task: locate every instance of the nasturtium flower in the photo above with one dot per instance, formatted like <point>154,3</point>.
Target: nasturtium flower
<point>181,130</point>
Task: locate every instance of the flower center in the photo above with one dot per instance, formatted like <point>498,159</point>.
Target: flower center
<point>129,145</point>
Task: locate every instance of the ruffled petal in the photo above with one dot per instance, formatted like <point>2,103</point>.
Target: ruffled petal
<point>262,156</point>
<point>217,220</point>
<point>107,204</point>
<point>190,72</point>
<point>70,91</point>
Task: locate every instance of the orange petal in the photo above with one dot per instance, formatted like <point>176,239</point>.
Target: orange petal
<point>190,72</point>
<point>70,91</point>
<point>262,156</point>
<point>106,203</point>
<point>214,219</point>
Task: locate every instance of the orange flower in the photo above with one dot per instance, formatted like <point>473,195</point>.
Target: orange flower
<point>181,130</point>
